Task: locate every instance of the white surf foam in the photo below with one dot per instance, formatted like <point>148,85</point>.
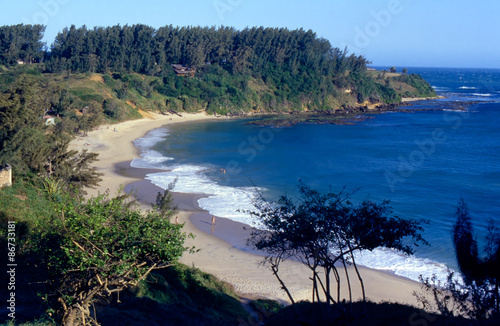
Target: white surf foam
<point>481,94</point>
<point>149,157</point>
<point>467,87</point>
<point>403,265</point>
<point>440,89</point>
<point>233,202</point>
<point>223,201</point>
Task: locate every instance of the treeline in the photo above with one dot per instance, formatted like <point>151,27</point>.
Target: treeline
<point>297,66</point>
<point>145,50</point>
<point>263,69</point>
<point>21,43</point>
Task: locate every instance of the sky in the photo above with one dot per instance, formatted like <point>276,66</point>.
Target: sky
<point>401,33</point>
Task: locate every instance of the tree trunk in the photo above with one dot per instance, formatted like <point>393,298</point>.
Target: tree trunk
<point>348,279</point>
<point>337,278</point>
<point>69,318</point>
<point>327,281</point>
<point>359,277</point>
<point>275,272</point>
<point>324,289</point>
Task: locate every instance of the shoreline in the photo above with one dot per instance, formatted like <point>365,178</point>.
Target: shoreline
<point>117,147</point>
<point>223,251</point>
<point>415,99</point>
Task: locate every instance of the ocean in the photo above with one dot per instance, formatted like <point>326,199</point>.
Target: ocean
<point>422,161</point>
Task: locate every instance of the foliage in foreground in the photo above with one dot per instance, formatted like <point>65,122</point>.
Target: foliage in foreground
<point>179,295</point>
<point>325,230</point>
<point>361,313</point>
<point>104,246</point>
<point>476,292</point>
<point>87,250</point>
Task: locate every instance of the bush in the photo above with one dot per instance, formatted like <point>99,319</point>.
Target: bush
<point>118,110</point>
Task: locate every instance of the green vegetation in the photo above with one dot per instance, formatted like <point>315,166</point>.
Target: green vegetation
<point>86,250</point>
<point>255,69</point>
<point>45,244</point>
<point>188,296</point>
<point>35,148</point>
<point>21,43</point>
<point>102,260</point>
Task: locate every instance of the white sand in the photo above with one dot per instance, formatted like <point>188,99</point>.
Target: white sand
<point>114,147</point>
<point>240,268</point>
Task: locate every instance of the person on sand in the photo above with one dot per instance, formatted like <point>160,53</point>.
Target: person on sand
<point>177,220</point>
<point>213,220</point>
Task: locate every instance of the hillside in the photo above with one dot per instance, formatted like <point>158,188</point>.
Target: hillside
<point>219,70</point>
<point>116,97</point>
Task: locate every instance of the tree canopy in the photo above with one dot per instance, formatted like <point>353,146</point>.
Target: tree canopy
<point>323,230</point>
<point>21,43</point>
<point>29,145</point>
<point>265,69</point>
<point>100,247</point>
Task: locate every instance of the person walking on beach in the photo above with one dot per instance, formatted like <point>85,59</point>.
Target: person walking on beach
<point>213,220</point>
<point>177,220</point>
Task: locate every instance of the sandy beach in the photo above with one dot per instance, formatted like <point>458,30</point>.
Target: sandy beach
<point>223,251</point>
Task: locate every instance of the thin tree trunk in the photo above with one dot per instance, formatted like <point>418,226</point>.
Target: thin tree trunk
<point>275,272</point>
<point>324,289</point>
<point>313,279</point>
<point>327,281</point>
<point>337,278</point>
<point>314,288</point>
<point>348,279</point>
<point>315,283</point>
<point>359,276</point>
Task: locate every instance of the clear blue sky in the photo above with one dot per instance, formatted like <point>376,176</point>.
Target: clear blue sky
<point>426,33</point>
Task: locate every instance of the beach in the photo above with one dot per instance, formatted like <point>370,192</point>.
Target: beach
<point>222,247</point>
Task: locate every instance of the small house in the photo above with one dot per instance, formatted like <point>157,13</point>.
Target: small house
<point>5,175</point>
<point>181,70</point>
<point>49,120</point>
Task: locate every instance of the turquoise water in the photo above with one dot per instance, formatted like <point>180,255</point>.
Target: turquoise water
<point>423,162</point>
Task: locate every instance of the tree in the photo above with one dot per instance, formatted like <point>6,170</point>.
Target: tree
<point>21,42</point>
<point>393,70</point>
<point>475,293</point>
<point>324,230</point>
<point>466,249</point>
<point>31,147</point>
<point>94,249</point>
<point>164,204</point>
<point>405,71</point>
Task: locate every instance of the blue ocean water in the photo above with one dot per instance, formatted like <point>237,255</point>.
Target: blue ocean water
<point>423,162</point>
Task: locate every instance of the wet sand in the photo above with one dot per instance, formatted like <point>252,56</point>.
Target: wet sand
<point>223,251</point>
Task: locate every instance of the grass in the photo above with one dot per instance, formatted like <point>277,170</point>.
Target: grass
<point>25,203</point>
